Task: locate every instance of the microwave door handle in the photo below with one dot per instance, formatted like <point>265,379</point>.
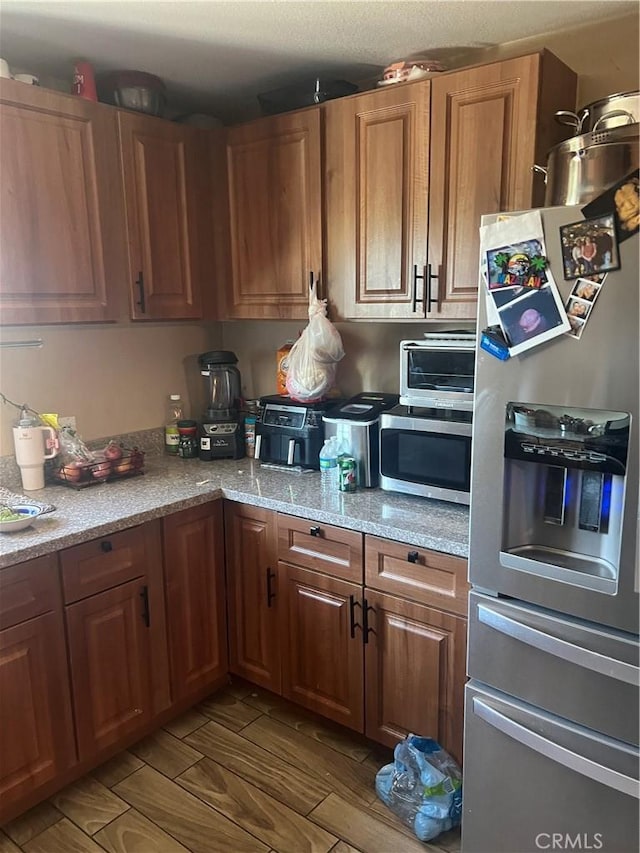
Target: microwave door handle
<point>258,447</point>
<point>554,751</point>
<point>560,648</point>
<point>291,451</point>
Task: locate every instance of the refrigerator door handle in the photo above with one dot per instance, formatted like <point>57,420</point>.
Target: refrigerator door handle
<point>555,752</point>
<point>586,658</point>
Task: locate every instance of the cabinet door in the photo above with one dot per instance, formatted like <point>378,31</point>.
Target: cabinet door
<point>415,672</point>
<point>377,155</point>
<point>322,649</point>
<point>274,175</point>
<point>483,139</point>
<point>63,238</point>
<point>110,669</point>
<point>166,171</point>
<point>253,594</point>
<point>36,729</point>
<point>196,611</point>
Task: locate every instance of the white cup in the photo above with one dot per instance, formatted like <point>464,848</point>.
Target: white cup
<point>5,71</point>
<point>31,79</point>
<point>31,451</point>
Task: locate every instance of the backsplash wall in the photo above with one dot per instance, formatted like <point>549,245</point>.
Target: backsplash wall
<point>371,361</point>
<point>113,378</point>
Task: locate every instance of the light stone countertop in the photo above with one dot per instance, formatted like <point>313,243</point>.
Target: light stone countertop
<point>169,485</point>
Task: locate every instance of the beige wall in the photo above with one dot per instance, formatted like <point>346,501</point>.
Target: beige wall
<point>605,55</point>
<point>115,378</point>
<point>371,361</point>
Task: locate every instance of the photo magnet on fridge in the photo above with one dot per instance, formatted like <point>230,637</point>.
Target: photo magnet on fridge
<point>589,247</point>
<point>623,199</point>
<point>521,293</point>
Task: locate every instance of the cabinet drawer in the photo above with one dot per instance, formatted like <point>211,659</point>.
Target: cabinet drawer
<point>322,547</point>
<point>417,573</point>
<point>27,590</point>
<point>102,563</point>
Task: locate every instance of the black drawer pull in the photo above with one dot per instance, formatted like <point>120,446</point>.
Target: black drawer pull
<point>270,593</point>
<point>352,616</point>
<point>315,531</point>
<point>144,595</point>
<point>366,630</point>
<point>106,546</point>
<point>413,556</point>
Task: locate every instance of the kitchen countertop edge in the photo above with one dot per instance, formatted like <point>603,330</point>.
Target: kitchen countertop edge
<point>170,486</point>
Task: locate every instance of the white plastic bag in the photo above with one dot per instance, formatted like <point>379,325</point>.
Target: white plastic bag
<point>314,356</point>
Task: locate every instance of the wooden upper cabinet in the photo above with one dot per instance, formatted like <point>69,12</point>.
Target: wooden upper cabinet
<point>489,124</point>
<point>196,607</point>
<point>63,246</point>
<point>274,183</point>
<point>410,171</point>
<point>377,184</point>
<point>166,176</point>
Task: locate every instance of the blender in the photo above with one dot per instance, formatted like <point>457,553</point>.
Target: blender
<point>221,434</point>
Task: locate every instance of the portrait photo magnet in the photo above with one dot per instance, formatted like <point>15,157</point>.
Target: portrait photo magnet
<point>589,247</point>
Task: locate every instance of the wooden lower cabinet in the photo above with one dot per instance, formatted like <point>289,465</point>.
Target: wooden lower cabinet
<point>36,729</point>
<point>109,658</point>
<point>193,542</point>
<point>322,648</point>
<point>415,672</point>
<point>253,601</point>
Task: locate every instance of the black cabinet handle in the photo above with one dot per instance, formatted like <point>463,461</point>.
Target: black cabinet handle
<point>140,285</point>
<point>415,298</point>
<point>270,593</point>
<point>352,616</point>
<point>429,278</point>
<point>315,531</point>
<point>144,595</point>
<point>366,630</point>
<point>413,556</point>
<point>106,546</point>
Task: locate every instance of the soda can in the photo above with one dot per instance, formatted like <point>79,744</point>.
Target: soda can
<point>347,474</point>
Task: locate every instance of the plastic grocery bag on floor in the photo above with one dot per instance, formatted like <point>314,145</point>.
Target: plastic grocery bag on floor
<point>314,356</point>
<point>423,787</point>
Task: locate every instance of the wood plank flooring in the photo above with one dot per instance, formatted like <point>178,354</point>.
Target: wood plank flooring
<point>243,772</point>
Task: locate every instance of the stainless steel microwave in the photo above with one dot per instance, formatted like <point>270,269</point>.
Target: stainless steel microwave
<point>438,371</point>
<point>426,452</point>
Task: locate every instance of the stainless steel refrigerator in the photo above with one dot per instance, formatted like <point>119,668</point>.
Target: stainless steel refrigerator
<point>551,707</point>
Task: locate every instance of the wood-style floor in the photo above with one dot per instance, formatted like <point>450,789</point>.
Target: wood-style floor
<point>243,772</point>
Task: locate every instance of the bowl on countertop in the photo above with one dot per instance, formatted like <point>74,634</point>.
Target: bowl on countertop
<point>26,512</point>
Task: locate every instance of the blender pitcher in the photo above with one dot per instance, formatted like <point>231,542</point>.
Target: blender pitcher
<point>223,387</point>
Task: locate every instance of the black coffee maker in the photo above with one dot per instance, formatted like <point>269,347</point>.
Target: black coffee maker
<point>221,435</point>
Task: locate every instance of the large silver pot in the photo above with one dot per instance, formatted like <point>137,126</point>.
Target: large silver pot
<point>581,168</point>
<point>609,112</point>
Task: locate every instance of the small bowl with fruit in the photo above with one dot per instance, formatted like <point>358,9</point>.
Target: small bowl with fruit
<point>17,516</point>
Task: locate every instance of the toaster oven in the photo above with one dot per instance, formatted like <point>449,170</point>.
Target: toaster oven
<point>438,371</point>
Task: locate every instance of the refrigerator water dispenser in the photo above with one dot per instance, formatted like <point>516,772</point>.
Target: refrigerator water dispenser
<point>564,486</point>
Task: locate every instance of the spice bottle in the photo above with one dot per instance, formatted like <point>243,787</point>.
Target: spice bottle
<point>188,443</point>
<point>174,414</point>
